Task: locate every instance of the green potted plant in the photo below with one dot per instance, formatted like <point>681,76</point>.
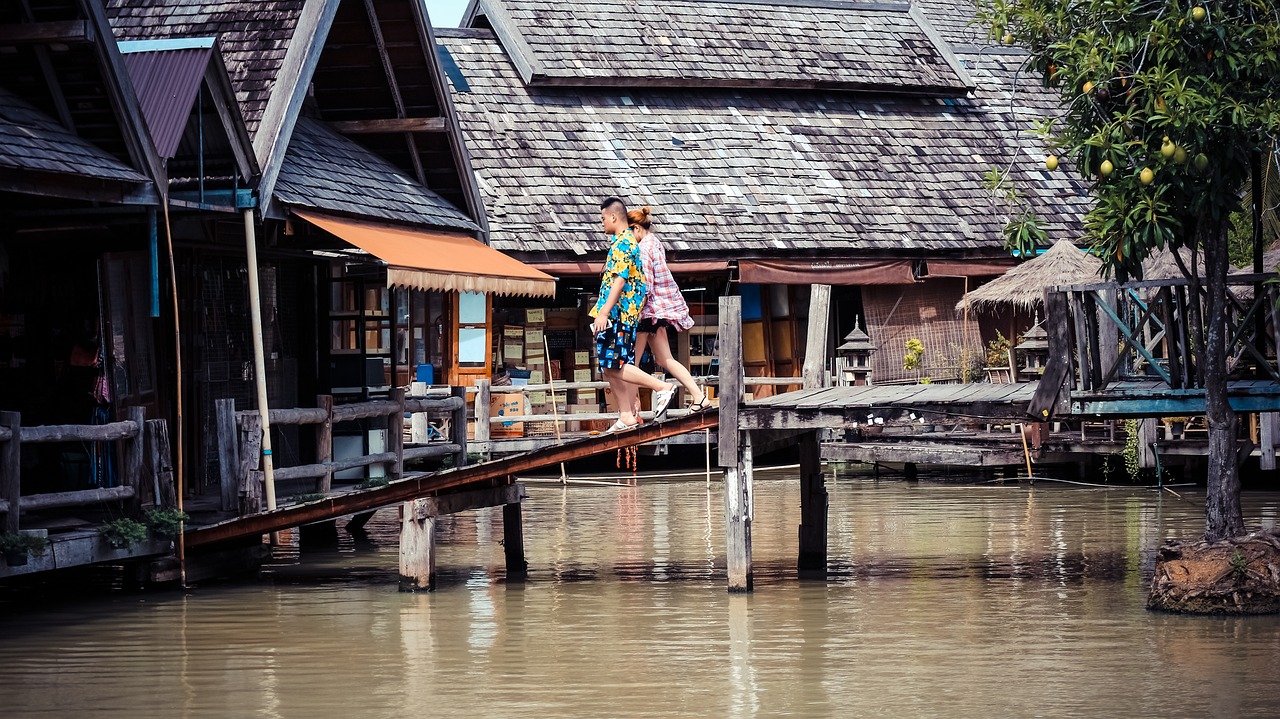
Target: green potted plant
<point>166,523</point>
<point>914,358</point>
<point>17,546</point>
<point>123,533</point>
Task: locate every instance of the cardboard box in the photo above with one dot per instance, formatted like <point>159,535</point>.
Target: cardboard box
<point>586,396</point>
<point>507,405</point>
<point>581,358</point>
<point>534,336</point>
<point>513,332</point>
<point>553,370</point>
<point>537,376</point>
<point>535,316</point>
<point>512,353</point>
<point>582,375</point>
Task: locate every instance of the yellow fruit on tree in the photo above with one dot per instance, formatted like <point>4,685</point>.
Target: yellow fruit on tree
<point>1088,88</point>
<point>1008,38</point>
<point>1167,148</point>
<point>1051,162</point>
<point>1146,176</point>
<point>1180,155</point>
<point>1106,168</point>
<point>1197,13</point>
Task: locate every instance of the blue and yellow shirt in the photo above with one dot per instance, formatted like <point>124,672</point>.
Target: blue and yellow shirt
<point>624,262</point>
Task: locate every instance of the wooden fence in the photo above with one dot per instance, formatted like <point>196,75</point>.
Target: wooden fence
<point>240,442</point>
<point>146,474</point>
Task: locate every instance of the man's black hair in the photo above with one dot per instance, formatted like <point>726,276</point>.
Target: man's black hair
<point>609,203</point>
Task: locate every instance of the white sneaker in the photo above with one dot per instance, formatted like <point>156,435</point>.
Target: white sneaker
<point>661,401</point>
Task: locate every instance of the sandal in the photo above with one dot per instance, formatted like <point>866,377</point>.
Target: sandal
<point>704,403</point>
<point>621,426</point>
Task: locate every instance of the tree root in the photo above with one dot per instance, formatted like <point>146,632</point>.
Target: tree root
<point>1240,575</point>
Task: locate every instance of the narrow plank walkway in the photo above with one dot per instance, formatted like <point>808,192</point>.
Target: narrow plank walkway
<point>487,474</point>
<point>836,407</point>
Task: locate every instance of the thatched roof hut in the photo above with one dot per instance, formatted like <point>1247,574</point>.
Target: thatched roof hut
<point>1162,266</point>
<point>1023,286</point>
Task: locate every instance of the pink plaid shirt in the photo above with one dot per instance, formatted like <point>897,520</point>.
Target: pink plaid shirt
<point>665,301</point>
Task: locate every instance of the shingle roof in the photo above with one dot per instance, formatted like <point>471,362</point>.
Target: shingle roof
<point>327,171</point>
<point>31,140</point>
<point>254,35</point>
<point>724,43</point>
<point>743,172</point>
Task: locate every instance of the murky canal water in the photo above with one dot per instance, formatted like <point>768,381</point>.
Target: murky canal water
<point>972,601</point>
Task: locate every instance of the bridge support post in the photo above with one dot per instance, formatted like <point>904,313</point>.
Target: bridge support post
<point>738,510</point>
<point>513,542</point>
<point>735,448</point>
<point>417,547</point>
<point>812,562</point>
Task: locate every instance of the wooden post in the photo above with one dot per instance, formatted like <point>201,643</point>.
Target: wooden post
<point>483,398</point>
<point>731,379</point>
<point>228,453</point>
<point>458,422</point>
<point>134,449</point>
<point>417,547</point>
<point>161,460</point>
<point>1269,438</point>
<point>11,468</point>
<point>1147,429</point>
<point>1108,333</point>
<point>738,508</point>
<point>419,423</point>
<point>813,510</point>
<point>815,352</point>
<point>513,541</point>
<point>250,454</point>
<point>324,442</point>
<point>395,435</point>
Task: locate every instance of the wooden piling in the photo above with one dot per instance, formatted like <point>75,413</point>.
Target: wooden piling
<point>1269,438</point>
<point>812,562</point>
<point>324,442</point>
<point>417,547</point>
<point>395,435</point>
<point>513,541</point>
<point>160,459</point>
<point>815,353</point>
<point>483,396</point>
<point>228,453</point>
<point>735,449</point>
<point>10,468</point>
<point>248,490</point>
<point>458,424</point>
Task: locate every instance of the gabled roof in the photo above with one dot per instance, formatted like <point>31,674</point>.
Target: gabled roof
<point>190,108</point>
<point>326,171</point>
<point>811,44</point>
<point>750,173</point>
<point>73,109</point>
<point>31,140</point>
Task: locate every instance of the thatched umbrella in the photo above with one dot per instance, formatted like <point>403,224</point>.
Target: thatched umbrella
<point>1022,288</point>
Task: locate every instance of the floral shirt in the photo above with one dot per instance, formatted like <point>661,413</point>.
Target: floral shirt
<point>624,262</point>
<point>665,301</point>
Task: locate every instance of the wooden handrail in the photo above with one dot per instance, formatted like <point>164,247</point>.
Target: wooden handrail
<point>50,433</point>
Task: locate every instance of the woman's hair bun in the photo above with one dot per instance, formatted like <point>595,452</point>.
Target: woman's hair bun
<point>641,217</point>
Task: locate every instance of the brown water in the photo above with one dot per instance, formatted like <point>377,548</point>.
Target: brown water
<point>946,602</point>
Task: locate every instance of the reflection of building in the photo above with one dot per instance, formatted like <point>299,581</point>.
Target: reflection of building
<point>780,147</point>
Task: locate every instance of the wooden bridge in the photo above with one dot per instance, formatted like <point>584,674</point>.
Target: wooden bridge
<point>1152,371</point>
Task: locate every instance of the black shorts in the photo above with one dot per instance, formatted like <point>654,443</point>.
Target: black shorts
<point>616,346</point>
<point>651,325</point>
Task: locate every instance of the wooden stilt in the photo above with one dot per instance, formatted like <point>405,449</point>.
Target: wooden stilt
<point>738,509</point>
<point>910,472</point>
<point>813,510</point>
<point>513,541</point>
<point>417,547</point>
<point>1269,440</point>
<point>10,468</point>
<point>320,534</point>
<point>357,521</point>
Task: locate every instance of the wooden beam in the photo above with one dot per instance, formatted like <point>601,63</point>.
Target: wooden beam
<point>80,432</point>
<point>69,32</point>
<point>57,500</point>
<point>324,443</point>
<point>812,560</point>
<point>417,548</point>
<point>392,125</point>
<point>513,541</point>
<point>738,511</point>
<point>456,502</point>
<point>729,338</point>
<point>11,468</point>
<point>134,454</point>
<point>228,453</point>
<point>815,353</point>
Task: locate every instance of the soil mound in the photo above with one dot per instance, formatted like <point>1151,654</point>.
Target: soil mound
<point>1234,576</point>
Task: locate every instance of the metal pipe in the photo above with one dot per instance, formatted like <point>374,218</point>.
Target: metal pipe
<point>153,227</point>
<point>259,357</point>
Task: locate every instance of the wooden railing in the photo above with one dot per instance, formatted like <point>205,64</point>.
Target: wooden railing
<point>240,442</point>
<point>1105,333</point>
<point>484,391</point>
<point>146,471</point>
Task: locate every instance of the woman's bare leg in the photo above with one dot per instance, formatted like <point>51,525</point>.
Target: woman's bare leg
<point>661,347</point>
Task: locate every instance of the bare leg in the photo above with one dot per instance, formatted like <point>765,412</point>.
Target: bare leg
<point>662,353</point>
<point>624,394</point>
<point>636,376</point>
<point>642,342</point>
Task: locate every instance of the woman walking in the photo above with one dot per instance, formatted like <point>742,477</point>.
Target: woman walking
<point>664,308</point>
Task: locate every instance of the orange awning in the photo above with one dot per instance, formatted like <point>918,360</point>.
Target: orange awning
<point>677,267</point>
<point>826,272</point>
<point>444,261</point>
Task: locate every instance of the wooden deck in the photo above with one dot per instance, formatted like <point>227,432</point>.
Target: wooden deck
<point>842,407</point>
<point>1155,398</point>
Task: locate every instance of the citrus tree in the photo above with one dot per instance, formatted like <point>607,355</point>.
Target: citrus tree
<point>1166,105</point>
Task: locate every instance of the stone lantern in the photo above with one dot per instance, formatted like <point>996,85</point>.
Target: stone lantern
<point>855,358</point>
<point>1034,349</point>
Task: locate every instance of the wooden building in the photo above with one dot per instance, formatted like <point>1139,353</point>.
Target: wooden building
<point>781,144</point>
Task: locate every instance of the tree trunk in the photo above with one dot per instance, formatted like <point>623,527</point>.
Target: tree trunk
<point>1223,517</point>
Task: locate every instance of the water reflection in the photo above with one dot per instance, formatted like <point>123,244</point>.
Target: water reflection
<point>944,601</point>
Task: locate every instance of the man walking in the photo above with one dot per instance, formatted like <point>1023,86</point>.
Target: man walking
<point>617,312</point>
